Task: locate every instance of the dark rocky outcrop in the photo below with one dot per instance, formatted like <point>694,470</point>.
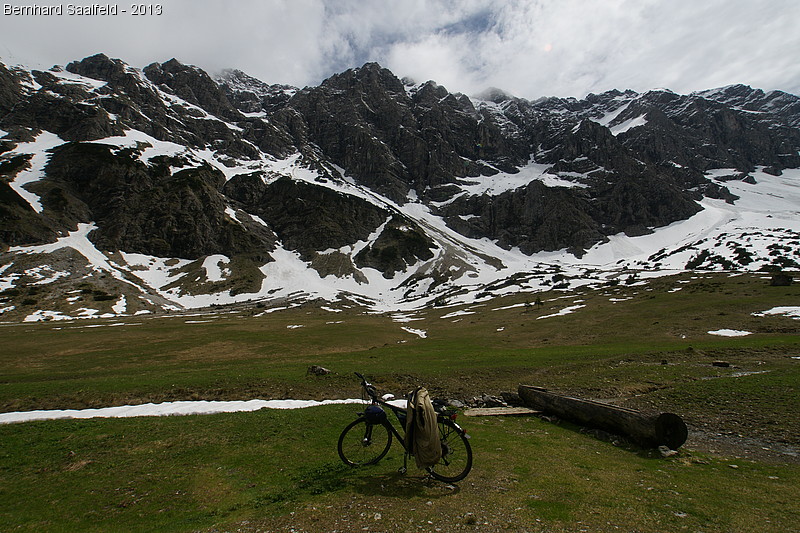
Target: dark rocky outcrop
<point>10,90</point>
<point>305,217</point>
<point>19,224</point>
<point>148,209</point>
<point>310,219</point>
<point>56,108</point>
<point>194,86</point>
<point>250,95</point>
<point>393,140</point>
<point>400,244</point>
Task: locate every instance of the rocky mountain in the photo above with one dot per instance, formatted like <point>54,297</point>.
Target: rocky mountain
<point>126,190</point>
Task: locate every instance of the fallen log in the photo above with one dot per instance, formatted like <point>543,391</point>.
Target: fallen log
<point>665,429</point>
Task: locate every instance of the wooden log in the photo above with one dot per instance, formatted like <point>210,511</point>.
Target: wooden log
<point>665,429</point>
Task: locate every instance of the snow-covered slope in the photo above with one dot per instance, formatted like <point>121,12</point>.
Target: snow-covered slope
<point>162,190</point>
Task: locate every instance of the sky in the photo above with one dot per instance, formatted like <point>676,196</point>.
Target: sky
<point>529,48</point>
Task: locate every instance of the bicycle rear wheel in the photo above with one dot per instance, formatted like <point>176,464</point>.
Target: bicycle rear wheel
<point>363,443</point>
<point>456,461</point>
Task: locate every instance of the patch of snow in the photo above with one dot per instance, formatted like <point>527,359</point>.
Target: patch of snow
<point>168,409</point>
<point>231,212</point>
<point>508,307</point>
<point>565,311</point>
<point>132,138</point>
<point>609,117</point>
<point>258,219</point>
<point>421,333</point>
<point>405,317</point>
<point>41,315</point>
<point>789,311</point>
<point>8,282</point>
<point>730,333</point>
<point>504,181</point>
<point>65,76</point>
<point>214,272</point>
<point>45,274</point>
<point>86,312</point>
<point>629,124</point>
<point>295,326</point>
<point>276,309</point>
<point>121,306</point>
<point>458,313</point>
<point>39,157</point>
<point>744,373</point>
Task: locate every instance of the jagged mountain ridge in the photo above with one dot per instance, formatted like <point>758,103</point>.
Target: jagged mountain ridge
<point>377,186</point>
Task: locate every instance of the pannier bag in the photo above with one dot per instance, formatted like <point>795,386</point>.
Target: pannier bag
<point>422,431</point>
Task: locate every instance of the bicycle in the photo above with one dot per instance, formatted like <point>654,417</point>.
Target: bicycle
<point>367,439</point>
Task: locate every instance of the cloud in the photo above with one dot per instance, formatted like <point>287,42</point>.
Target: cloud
<point>530,48</point>
<point>573,47</point>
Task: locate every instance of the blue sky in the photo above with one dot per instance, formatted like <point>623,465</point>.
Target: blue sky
<point>530,48</point>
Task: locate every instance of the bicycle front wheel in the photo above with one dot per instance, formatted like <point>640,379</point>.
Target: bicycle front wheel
<point>363,443</point>
<point>456,461</point>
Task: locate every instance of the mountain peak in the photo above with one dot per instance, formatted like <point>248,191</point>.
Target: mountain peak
<point>493,94</point>
<point>369,75</point>
<point>193,85</point>
<point>98,67</point>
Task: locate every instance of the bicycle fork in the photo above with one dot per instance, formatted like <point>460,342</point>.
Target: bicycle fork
<point>367,440</point>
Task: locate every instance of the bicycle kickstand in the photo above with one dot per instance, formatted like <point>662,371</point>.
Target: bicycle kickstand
<point>403,469</point>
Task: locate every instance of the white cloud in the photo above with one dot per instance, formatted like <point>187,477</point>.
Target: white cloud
<point>530,48</point>
<point>573,47</point>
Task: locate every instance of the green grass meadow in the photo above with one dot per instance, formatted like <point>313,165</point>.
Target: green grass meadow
<point>644,345</point>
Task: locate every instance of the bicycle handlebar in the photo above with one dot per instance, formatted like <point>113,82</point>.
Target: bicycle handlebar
<point>368,387</point>
<point>440,406</point>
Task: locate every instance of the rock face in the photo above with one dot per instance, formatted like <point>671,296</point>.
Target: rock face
<point>159,209</point>
<point>395,138</point>
<point>172,163</point>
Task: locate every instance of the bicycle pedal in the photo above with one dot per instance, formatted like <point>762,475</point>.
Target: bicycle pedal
<point>402,470</point>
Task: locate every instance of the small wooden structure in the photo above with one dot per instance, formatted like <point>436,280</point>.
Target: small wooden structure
<point>665,429</point>
<point>499,411</point>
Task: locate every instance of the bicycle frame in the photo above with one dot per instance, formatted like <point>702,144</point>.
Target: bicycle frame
<point>389,425</point>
